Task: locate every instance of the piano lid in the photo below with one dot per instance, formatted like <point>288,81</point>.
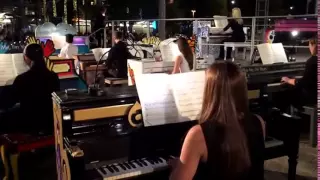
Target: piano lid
<point>82,98</point>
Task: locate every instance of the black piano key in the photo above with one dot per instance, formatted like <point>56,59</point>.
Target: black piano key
<point>155,160</point>
<point>127,165</point>
<point>137,162</point>
<point>132,165</point>
<point>115,168</point>
<point>149,161</point>
<point>110,169</point>
<point>160,160</point>
<point>122,167</point>
<point>144,163</point>
<point>103,171</point>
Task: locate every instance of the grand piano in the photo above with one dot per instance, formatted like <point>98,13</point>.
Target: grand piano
<point>104,137</point>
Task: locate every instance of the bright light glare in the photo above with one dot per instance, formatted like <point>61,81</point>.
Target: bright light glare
<point>291,7</point>
<point>294,33</point>
<point>233,2</point>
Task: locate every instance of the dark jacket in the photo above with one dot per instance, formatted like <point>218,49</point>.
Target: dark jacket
<point>308,83</point>
<point>32,90</point>
<point>118,58</point>
<point>237,31</point>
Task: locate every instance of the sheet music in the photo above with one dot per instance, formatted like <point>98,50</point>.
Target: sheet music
<point>166,48</point>
<point>19,64</point>
<point>7,72</point>
<point>272,53</point>
<point>156,98</point>
<point>188,93</point>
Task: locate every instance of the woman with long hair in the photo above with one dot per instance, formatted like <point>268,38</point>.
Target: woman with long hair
<point>184,60</point>
<point>228,143</point>
<point>32,90</point>
<point>236,24</point>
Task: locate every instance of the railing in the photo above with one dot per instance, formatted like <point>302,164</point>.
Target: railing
<point>256,30</point>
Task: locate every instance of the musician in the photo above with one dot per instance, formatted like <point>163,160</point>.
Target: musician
<point>32,90</point>
<point>304,90</point>
<point>117,58</point>
<point>237,35</point>
<point>229,141</point>
<point>184,59</point>
<point>69,50</point>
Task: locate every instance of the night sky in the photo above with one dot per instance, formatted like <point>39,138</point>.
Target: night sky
<point>204,8</point>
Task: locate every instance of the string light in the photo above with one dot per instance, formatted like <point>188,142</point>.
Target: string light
<point>45,10</point>
<point>75,5</point>
<point>54,8</point>
<point>65,10</point>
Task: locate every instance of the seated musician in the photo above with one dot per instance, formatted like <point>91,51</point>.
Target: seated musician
<point>32,90</point>
<point>237,35</point>
<point>117,58</point>
<point>304,91</point>
<point>229,141</point>
<point>184,60</point>
<point>69,50</point>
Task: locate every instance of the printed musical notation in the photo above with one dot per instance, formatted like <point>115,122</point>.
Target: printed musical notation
<point>188,93</point>
<point>272,53</point>
<point>170,98</point>
<point>11,65</point>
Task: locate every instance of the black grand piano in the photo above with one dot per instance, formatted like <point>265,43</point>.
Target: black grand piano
<point>104,137</point>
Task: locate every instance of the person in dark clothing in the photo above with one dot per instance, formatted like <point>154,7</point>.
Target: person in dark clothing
<point>117,58</point>
<point>301,91</point>
<point>228,143</point>
<point>99,23</point>
<point>237,32</point>
<point>32,90</point>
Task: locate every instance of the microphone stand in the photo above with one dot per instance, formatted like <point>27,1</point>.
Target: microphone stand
<point>95,89</point>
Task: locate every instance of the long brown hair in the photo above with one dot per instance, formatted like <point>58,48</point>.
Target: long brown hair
<point>225,104</point>
<point>186,51</point>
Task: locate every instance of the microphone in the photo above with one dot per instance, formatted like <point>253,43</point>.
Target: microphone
<point>95,89</point>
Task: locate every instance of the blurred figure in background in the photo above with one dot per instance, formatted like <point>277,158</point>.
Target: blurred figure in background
<point>98,24</point>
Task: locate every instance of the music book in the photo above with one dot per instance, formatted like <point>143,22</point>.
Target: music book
<point>169,49</point>
<point>11,65</point>
<point>99,52</point>
<point>167,99</point>
<point>272,53</point>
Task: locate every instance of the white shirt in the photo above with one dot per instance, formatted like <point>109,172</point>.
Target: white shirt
<point>68,51</point>
<point>184,66</point>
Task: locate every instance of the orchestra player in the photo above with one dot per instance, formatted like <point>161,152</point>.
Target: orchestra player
<point>228,143</point>
<point>183,62</point>
<point>117,58</point>
<point>303,91</point>
<point>236,24</point>
<point>32,90</point>
<point>69,50</point>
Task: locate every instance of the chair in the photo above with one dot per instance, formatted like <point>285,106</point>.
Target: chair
<point>310,110</point>
<point>235,46</point>
<point>15,144</point>
<point>115,81</point>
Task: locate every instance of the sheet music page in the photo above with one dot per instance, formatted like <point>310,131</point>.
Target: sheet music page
<point>7,72</point>
<point>166,49</point>
<point>279,54</point>
<point>266,53</point>
<point>19,64</point>
<point>156,98</point>
<point>272,53</point>
<point>188,93</point>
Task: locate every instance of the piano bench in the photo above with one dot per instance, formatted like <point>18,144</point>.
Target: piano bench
<point>14,144</point>
<point>115,81</point>
<point>235,46</point>
<point>311,110</point>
